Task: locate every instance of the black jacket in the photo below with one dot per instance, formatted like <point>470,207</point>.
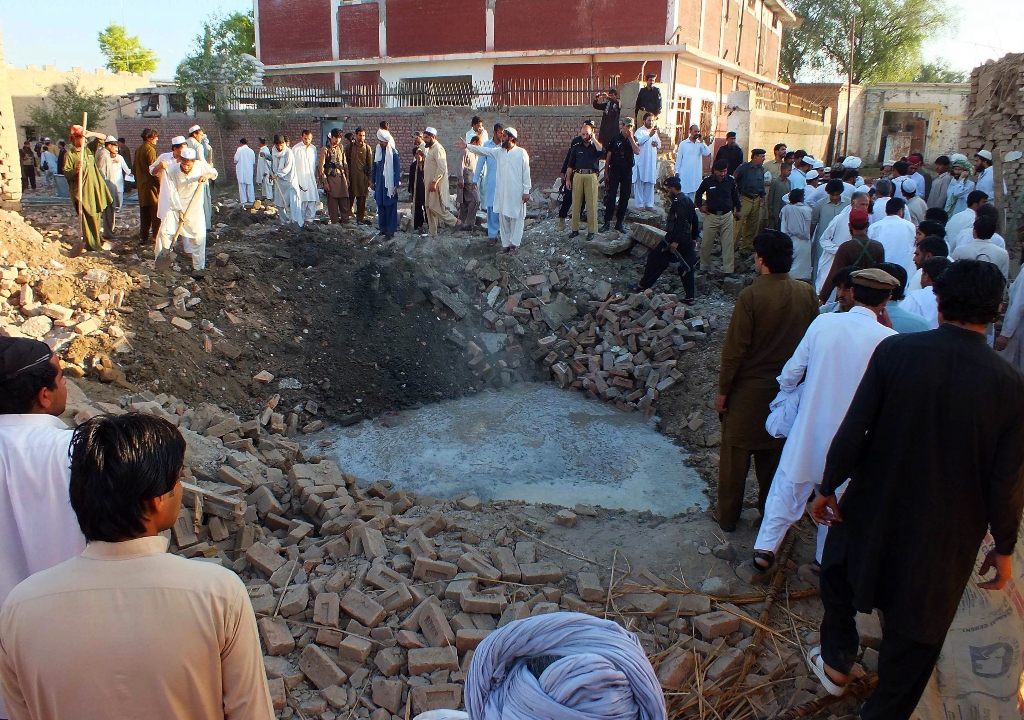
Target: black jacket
<point>682,224</point>
<point>933,444</point>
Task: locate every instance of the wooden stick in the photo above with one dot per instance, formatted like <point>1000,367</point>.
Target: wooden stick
<point>81,166</point>
<point>553,547</point>
<point>856,689</point>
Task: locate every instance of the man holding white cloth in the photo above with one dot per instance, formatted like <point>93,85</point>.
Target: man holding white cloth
<point>830,360</point>
<point>512,189</point>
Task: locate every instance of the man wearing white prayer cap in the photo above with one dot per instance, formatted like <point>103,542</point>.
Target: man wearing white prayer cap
<point>513,186</point>
<point>198,141</point>
<point>162,162</point>
<point>814,192</point>
<point>113,169</point>
<point>559,666</point>
<point>186,180</point>
<point>435,176</point>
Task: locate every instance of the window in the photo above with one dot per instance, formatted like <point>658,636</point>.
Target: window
<point>775,21</point>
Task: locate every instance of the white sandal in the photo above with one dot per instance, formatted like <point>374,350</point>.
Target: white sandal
<point>817,665</point>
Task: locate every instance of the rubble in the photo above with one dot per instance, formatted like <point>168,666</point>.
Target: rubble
<point>626,350</point>
<point>371,600</point>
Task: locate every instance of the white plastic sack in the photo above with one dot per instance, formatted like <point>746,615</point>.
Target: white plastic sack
<point>442,715</point>
<point>979,670</point>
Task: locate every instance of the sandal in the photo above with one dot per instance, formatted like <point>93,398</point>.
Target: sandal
<point>766,557</point>
<point>817,665</point>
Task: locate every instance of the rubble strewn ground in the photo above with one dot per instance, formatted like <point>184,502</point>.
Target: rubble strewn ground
<point>371,599</point>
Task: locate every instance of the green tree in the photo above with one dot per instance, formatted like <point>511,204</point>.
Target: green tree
<point>888,38</point>
<point>235,34</point>
<point>124,52</point>
<point>63,107</point>
<point>219,62</point>
<point>939,72</point>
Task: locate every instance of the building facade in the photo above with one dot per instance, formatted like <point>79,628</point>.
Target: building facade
<point>31,84</point>
<point>701,49</point>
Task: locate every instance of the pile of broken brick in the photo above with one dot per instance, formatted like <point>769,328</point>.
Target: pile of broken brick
<point>370,601</point>
<point>626,349</point>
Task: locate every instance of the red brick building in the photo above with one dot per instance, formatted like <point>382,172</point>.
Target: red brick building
<point>701,49</point>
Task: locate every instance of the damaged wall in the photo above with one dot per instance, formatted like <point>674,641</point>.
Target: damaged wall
<point>545,131</point>
<point>995,113</point>
<point>10,166</point>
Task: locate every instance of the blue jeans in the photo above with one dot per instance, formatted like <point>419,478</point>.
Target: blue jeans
<point>493,222</point>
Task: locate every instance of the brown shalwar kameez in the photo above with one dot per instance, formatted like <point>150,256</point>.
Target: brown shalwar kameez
<point>770,318</point>
<point>360,161</point>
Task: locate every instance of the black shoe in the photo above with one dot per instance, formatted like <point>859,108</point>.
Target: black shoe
<point>606,227</point>
<point>590,236</point>
<point>574,233</point>
<point>634,288</point>
<point>618,226</point>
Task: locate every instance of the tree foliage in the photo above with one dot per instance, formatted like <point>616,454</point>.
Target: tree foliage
<point>63,107</point>
<point>124,52</point>
<point>236,34</point>
<point>221,60</point>
<point>939,72</point>
<point>888,38</point>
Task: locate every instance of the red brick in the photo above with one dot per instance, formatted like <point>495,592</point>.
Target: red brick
<point>427,660</point>
<point>294,31</point>
<point>716,624</point>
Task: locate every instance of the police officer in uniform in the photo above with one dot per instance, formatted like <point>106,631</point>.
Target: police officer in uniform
<point>682,227</point>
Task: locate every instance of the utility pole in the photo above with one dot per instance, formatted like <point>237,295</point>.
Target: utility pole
<point>849,81</point>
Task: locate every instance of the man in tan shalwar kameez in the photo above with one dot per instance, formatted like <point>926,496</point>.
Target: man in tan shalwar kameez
<point>435,175</point>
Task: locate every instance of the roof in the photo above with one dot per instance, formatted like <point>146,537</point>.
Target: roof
<point>787,16</point>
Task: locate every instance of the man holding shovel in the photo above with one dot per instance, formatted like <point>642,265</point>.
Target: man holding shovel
<point>185,215</point>
<point>87,188</point>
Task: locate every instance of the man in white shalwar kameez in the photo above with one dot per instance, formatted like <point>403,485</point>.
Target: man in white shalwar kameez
<point>187,179</point>
<point>286,182</point>
<point>245,166</point>
<point>306,155</point>
<point>830,360</point>
<point>645,171</point>
<point>795,221</point>
<point>264,171</point>
<point>198,141</point>
<point>690,161</point>
<point>38,528</point>
<point>837,232</point>
<point>896,235</point>
<point>162,162</point>
<point>512,188</point>
<point>1010,341</point>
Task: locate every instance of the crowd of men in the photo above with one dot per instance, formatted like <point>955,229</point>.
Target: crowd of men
<point>831,383</point>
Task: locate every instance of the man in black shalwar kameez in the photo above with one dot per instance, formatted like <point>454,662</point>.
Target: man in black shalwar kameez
<point>933,444</point>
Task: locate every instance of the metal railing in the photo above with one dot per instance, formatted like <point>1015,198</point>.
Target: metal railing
<point>423,93</point>
<point>785,102</point>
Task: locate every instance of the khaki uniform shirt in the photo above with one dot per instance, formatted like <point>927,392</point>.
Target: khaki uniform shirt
<point>126,630</point>
<point>768,322</point>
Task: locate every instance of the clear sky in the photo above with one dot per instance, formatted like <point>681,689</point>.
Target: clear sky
<point>63,33</point>
<point>984,30</point>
